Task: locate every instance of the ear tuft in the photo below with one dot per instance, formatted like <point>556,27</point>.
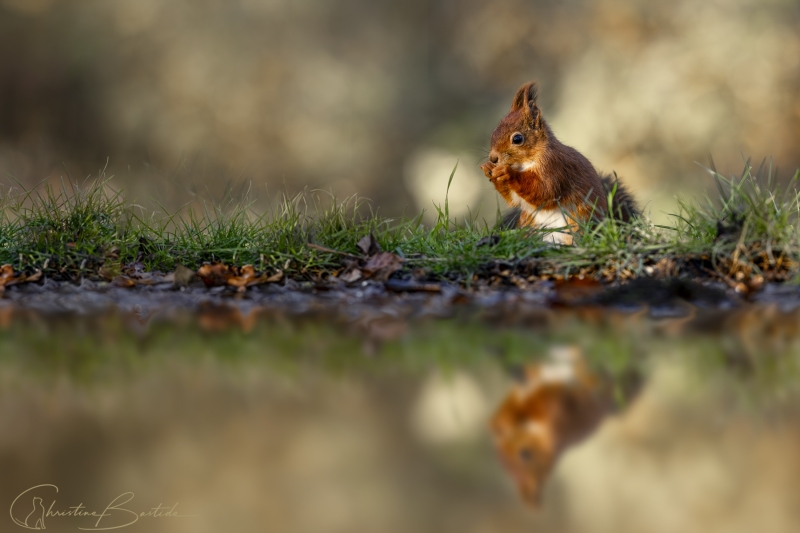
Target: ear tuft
<point>531,94</point>
<point>519,99</point>
<point>525,98</point>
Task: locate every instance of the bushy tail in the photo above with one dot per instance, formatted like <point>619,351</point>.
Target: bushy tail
<point>511,219</point>
<point>623,207</point>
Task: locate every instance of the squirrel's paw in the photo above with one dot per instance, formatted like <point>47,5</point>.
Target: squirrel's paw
<point>500,174</point>
<point>487,168</point>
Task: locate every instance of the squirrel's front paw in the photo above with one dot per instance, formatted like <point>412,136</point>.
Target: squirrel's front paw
<point>500,174</point>
<point>487,168</point>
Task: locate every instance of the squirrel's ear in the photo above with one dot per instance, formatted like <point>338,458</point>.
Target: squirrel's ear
<point>525,100</point>
<point>530,106</point>
<point>536,116</point>
<point>521,98</point>
<point>530,94</point>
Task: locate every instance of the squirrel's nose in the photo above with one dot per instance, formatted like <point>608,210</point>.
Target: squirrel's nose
<point>493,157</point>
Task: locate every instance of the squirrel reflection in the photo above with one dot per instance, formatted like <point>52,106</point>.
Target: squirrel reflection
<point>556,404</point>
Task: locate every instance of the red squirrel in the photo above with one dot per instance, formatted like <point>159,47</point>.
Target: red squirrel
<point>550,184</point>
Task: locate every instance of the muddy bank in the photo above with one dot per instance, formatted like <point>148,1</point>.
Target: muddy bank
<point>664,297</point>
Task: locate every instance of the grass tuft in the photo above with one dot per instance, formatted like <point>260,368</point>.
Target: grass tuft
<point>748,231</point>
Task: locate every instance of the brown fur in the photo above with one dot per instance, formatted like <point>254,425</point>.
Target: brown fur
<point>563,413</point>
<point>560,178</point>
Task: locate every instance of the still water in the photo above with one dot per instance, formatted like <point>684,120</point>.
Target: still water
<point>229,421</point>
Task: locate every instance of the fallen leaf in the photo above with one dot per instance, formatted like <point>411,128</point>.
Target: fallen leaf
<point>7,277</point>
<point>352,271</point>
<point>215,275</point>
<point>276,277</point>
<point>123,281</point>
<point>382,265</point>
<point>368,245</point>
<point>247,276</point>
<point>351,275</point>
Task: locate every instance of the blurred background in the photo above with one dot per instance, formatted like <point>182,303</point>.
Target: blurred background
<point>185,99</point>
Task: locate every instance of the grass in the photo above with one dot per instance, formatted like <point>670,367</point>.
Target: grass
<point>749,232</point>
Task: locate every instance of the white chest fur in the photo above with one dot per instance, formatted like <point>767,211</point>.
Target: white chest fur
<point>546,218</point>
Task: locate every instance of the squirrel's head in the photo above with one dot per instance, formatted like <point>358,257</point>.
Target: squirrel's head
<point>556,405</point>
<point>522,135</point>
<point>526,443</point>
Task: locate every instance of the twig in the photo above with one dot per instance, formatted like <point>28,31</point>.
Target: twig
<point>332,251</point>
<point>729,282</point>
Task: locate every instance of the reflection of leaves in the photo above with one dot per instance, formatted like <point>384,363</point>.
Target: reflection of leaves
<point>382,265</point>
<point>7,277</point>
<point>577,289</point>
<point>214,317</point>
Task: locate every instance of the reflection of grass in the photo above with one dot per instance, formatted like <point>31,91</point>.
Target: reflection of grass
<point>750,230</point>
<point>94,350</point>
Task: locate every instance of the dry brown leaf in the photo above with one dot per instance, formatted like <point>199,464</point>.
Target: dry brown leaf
<point>215,275</point>
<point>7,277</point>
<point>247,277</point>
<point>36,276</point>
<point>123,281</point>
<point>382,265</point>
<point>276,277</point>
<point>350,275</point>
<point>369,245</point>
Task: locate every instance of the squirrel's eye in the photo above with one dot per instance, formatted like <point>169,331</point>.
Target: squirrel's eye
<point>517,138</point>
